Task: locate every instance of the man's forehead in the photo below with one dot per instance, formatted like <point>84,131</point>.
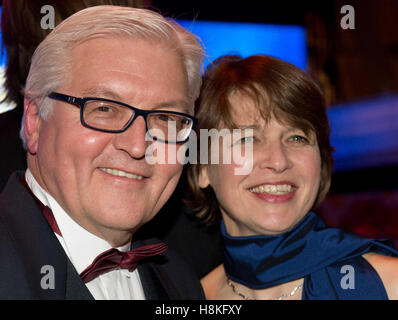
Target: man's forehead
<point>102,92</point>
<point>101,46</point>
<point>119,73</point>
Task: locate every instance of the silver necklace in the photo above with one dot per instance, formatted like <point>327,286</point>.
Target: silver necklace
<point>283,296</point>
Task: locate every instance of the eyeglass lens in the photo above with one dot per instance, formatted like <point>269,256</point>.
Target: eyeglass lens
<point>111,116</point>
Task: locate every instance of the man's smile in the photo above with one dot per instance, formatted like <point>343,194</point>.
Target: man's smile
<point>120,173</point>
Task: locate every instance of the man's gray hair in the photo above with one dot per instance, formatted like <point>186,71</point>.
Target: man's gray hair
<point>51,61</point>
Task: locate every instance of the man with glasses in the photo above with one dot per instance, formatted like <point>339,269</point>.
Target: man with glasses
<point>104,86</point>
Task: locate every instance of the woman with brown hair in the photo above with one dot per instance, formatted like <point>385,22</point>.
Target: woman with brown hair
<point>274,245</point>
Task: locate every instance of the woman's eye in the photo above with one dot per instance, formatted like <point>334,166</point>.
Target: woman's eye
<point>248,139</point>
<point>299,139</point>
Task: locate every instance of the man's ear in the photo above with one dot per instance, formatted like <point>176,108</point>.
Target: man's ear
<point>31,122</point>
<point>204,180</point>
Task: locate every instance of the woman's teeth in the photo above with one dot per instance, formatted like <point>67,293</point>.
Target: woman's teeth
<point>120,173</point>
<point>273,189</point>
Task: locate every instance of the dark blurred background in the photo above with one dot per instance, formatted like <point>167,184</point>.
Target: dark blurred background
<point>358,71</point>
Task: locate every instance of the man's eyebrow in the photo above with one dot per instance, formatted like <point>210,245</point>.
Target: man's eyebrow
<point>177,105</point>
<point>101,92</point>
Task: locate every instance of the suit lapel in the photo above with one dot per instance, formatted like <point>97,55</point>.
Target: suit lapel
<point>75,287</point>
<point>151,283</point>
<point>155,279</point>
<point>49,272</point>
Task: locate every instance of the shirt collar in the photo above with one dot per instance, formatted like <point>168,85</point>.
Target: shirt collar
<point>81,246</point>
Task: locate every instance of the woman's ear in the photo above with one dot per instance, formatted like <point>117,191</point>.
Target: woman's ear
<point>204,180</point>
<point>31,121</point>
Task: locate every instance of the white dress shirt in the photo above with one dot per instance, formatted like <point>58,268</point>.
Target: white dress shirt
<point>82,247</point>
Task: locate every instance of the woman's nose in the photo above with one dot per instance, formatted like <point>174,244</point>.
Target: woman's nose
<point>274,156</point>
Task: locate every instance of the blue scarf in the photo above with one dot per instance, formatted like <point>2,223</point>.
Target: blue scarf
<point>310,250</point>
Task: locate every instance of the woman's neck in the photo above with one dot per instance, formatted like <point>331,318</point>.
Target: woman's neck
<point>217,286</point>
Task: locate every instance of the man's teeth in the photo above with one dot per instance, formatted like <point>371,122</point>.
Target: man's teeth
<point>273,189</point>
<point>120,173</point>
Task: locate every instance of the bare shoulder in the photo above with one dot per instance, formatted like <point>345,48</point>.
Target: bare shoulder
<point>212,282</point>
<point>387,268</point>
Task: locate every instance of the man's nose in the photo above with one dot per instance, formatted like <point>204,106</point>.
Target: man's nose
<point>133,139</point>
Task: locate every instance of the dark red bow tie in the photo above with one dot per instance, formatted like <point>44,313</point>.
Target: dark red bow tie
<point>110,259</point>
<point>113,259</point>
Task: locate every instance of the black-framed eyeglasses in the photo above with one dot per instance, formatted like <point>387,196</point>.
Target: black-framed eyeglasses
<point>115,117</point>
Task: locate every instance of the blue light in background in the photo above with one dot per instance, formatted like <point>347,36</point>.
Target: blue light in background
<point>365,133</point>
<point>282,41</point>
<point>2,51</point>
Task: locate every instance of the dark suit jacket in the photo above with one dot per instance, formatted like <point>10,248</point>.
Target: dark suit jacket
<point>13,154</point>
<point>27,244</point>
